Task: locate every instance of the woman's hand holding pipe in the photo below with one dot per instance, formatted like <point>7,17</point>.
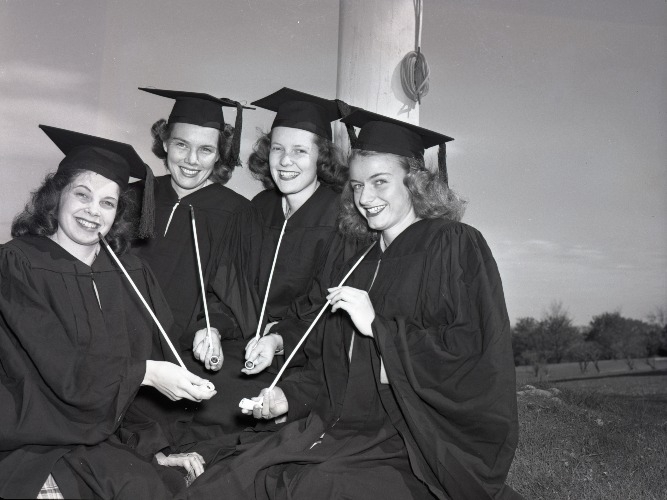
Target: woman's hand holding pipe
<point>176,382</point>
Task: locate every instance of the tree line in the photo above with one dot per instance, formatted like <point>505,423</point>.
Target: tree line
<point>555,339</point>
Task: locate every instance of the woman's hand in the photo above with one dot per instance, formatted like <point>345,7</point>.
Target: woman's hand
<point>204,350</point>
<point>193,463</point>
<point>270,404</point>
<point>261,352</point>
<point>357,304</point>
<point>176,382</point>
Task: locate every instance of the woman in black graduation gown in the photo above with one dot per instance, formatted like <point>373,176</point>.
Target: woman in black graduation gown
<point>76,341</point>
<point>409,392</point>
<point>303,173</point>
<point>200,152</point>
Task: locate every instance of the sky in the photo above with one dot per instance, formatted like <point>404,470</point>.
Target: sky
<point>558,111</point>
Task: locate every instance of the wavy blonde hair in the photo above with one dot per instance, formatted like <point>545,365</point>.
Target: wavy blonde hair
<point>429,195</point>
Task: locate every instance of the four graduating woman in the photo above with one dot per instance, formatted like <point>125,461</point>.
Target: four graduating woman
<point>76,341</point>
<point>409,387</point>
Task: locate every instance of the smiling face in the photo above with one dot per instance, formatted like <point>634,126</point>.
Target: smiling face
<point>380,194</point>
<point>293,160</point>
<point>87,207</point>
<point>191,155</point>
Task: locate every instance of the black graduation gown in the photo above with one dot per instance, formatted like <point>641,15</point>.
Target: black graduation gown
<point>70,367</point>
<point>311,253</point>
<point>229,238</point>
<point>442,333</point>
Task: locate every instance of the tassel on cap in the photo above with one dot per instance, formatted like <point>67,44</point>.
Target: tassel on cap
<point>147,222</point>
<point>345,109</point>
<point>235,150</point>
<point>442,163</point>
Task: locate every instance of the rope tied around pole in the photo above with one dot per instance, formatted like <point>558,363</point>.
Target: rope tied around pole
<point>415,71</point>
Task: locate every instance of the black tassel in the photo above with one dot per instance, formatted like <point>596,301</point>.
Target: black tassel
<point>442,163</point>
<point>235,150</point>
<point>345,109</point>
<point>147,224</point>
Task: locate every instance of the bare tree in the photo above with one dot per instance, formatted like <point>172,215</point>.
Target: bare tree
<point>658,316</point>
<point>558,332</point>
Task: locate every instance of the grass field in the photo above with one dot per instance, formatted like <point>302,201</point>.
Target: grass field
<point>600,437</point>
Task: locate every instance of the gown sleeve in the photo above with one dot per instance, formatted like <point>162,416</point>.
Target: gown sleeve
<point>53,391</point>
<point>140,428</point>
<point>304,385</point>
<point>305,308</point>
<point>451,367</point>
<point>232,290</point>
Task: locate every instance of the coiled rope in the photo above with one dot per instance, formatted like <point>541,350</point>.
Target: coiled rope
<point>414,67</point>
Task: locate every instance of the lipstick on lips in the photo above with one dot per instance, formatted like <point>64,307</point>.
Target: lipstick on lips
<point>287,175</point>
<point>87,224</point>
<point>374,211</point>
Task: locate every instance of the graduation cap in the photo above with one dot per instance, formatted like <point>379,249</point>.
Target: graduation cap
<point>296,109</point>
<point>203,110</point>
<point>117,161</point>
<point>387,135</point>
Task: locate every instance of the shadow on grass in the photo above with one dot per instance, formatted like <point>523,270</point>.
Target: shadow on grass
<point>653,373</point>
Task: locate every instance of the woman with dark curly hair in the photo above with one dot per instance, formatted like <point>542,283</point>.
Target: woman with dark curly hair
<point>303,173</point>
<point>76,342</point>
<point>409,390</point>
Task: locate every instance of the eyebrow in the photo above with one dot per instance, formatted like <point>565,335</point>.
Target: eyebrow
<point>303,146</point>
<point>176,138</point>
<point>90,190</point>
<point>372,176</point>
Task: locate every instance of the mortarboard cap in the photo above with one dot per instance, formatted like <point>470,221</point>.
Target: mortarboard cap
<point>195,108</point>
<point>117,161</point>
<point>204,110</point>
<point>296,109</point>
<point>114,160</point>
<point>387,135</point>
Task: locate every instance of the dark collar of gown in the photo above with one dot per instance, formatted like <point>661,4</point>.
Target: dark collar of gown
<point>44,253</point>
<point>323,201</point>
<point>165,191</point>
<point>414,238</point>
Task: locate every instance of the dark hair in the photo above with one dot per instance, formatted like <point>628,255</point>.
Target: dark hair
<point>223,167</point>
<point>40,215</point>
<point>431,198</point>
<point>331,167</point>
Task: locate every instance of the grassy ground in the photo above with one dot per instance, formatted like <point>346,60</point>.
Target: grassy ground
<point>603,438</point>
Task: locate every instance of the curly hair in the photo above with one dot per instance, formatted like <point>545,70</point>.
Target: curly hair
<point>40,215</point>
<point>431,198</point>
<point>331,167</point>
<point>224,165</point>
